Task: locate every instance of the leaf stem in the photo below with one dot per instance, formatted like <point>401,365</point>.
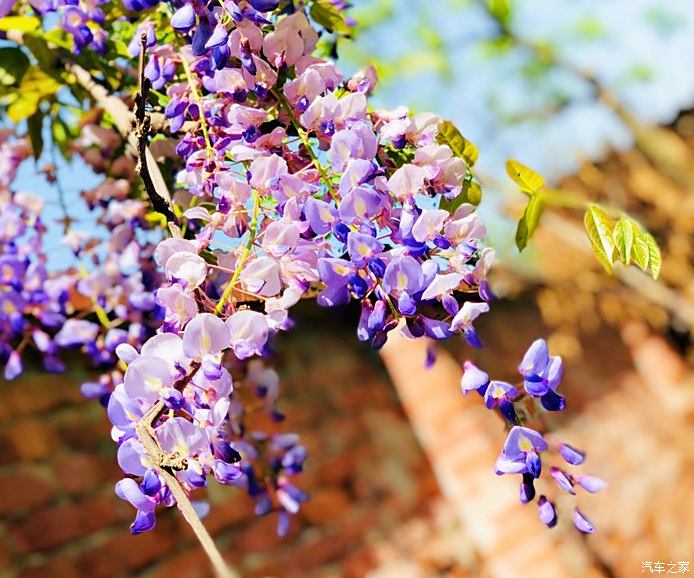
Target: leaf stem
<point>253,230</point>
<point>284,103</point>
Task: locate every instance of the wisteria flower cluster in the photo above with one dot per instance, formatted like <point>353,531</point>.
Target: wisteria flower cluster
<point>286,185</point>
<point>201,425</point>
<point>521,455</point>
<point>45,311</point>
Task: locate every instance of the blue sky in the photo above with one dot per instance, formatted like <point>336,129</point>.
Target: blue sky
<point>638,49</point>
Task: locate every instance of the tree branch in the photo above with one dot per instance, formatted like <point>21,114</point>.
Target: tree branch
<point>166,465</point>
<point>156,191</point>
<point>124,119</point>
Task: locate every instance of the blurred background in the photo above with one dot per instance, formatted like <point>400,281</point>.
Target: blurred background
<point>598,97</point>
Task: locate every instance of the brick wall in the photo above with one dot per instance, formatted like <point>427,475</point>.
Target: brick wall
<point>376,507</point>
<point>366,474</point>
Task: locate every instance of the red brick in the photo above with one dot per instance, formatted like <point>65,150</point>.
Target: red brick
<point>63,523</point>
<point>62,567</point>
<point>22,491</point>
<point>325,505</point>
<point>5,557</point>
<point>8,451</point>
<point>33,440</point>
<point>39,394</point>
<point>78,473</point>
<point>192,563</point>
<point>124,553</point>
<point>260,535</point>
<point>234,510</point>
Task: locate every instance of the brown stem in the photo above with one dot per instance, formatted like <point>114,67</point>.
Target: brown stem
<point>160,200</point>
<point>166,465</point>
<point>124,120</point>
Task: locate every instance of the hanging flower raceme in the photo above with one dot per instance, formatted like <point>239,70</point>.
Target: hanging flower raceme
<point>287,185</point>
<point>524,447</point>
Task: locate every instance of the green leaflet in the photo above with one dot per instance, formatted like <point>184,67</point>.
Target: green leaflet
<point>639,253</point>
<point>13,65</point>
<point>529,221</point>
<point>654,258</point>
<point>329,17</point>
<point>623,236</point>
<point>599,228</point>
<point>527,179</point>
<point>449,135</point>
<point>35,86</point>
<point>501,9</point>
<point>35,129</point>
<point>470,193</point>
<point>19,23</point>
<point>627,241</point>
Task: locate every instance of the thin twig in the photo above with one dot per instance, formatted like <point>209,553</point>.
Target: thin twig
<point>284,103</point>
<point>142,128</point>
<point>166,465</point>
<point>253,230</point>
<point>122,116</point>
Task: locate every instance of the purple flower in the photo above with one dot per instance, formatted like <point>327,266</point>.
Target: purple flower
<point>464,318</point>
<point>562,479</point>
<point>403,278</point>
<point>205,334</point>
<point>521,452</point>
<point>184,18</point>
<point>582,523</point>
<point>474,379</point>
<point>76,332</point>
<point>249,333</point>
<point>362,247</point>
<point>542,375</point>
<point>571,455</point>
<point>147,377</point>
<point>546,512</point>
<point>591,483</point>
<point>360,203</point>
<point>502,395</point>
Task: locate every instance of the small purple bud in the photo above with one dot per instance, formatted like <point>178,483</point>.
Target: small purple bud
<point>552,401</point>
<point>151,484</point>
<point>527,489</point>
<point>430,358</point>
<point>144,522</point>
<point>184,18</point>
<point>546,512</point>
<point>563,480</point>
<point>591,483</point>
<point>572,455</point>
<point>533,463</point>
<point>582,523</point>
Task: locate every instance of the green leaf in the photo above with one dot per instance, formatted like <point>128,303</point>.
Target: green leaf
<point>449,135</point>
<point>501,10</point>
<point>19,23</point>
<point>471,192</point>
<point>529,221</point>
<point>35,129</point>
<point>654,258</point>
<point>46,58</point>
<point>527,179</point>
<point>13,65</point>
<point>329,17</point>
<point>623,236</point>
<point>35,86</point>
<point>640,252</point>
<point>599,228</point>
<point>23,106</point>
<point>62,136</point>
